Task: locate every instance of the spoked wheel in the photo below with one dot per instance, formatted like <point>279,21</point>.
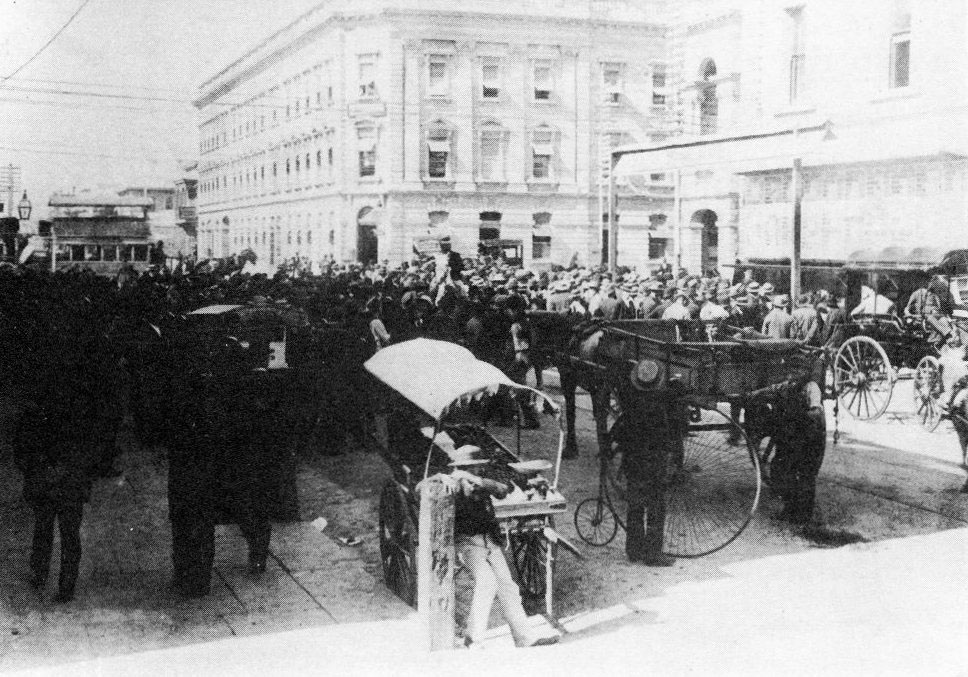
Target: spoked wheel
<point>534,559</point>
<point>596,521</point>
<point>927,392</point>
<point>398,544</point>
<point>863,378</point>
<point>713,487</point>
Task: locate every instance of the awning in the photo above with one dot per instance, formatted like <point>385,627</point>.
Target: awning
<point>902,258</point>
<point>434,374</point>
<point>438,146</point>
<point>763,151</point>
<point>542,149</point>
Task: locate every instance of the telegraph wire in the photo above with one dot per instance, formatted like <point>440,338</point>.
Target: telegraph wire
<point>48,43</point>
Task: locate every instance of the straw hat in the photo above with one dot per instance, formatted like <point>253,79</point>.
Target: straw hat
<point>467,455</point>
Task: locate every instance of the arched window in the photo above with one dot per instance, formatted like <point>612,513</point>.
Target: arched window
<point>708,99</point>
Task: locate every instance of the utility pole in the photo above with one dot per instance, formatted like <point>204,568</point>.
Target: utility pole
<point>797,188</point>
<point>9,181</point>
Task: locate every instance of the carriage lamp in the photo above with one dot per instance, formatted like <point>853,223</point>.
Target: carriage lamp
<point>645,373</point>
<point>24,208</point>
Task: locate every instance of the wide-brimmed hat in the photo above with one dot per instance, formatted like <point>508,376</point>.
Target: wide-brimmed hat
<point>767,289</point>
<point>467,455</point>
<point>753,287</point>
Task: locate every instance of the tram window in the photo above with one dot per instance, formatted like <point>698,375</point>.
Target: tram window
<point>140,252</point>
<point>109,253</point>
<point>77,252</point>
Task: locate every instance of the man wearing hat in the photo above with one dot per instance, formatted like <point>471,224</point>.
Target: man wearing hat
<point>559,297</point>
<point>806,323</point>
<point>679,310</point>
<point>778,323</point>
<point>480,555</point>
<point>668,298</point>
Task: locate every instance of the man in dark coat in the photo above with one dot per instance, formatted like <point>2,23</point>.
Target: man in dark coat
<point>648,435</point>
<point>55,453</point>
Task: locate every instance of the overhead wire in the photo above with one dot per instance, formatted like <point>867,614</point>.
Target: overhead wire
<point>47,44</point>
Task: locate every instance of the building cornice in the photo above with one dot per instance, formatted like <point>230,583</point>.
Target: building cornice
<point>714,22</point>
<point>302,32</point>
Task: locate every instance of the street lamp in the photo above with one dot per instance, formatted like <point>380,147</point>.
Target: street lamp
<point>24,207</point>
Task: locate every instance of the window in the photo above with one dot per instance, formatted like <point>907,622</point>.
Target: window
<point>438,76</point>
<point>613,80</point>
<point>366,138</point>
<point>900,60</point>
<point>490,78</point>
<point>542,153</point>
<point>658,246</point>
<point>657,221</point>
<point>900,57</point>
<point>490,227</point>
<point>492,153</point>
<point>367,76</point>
<point>542,79</point>
<point>797,54</point>
<point>541,236</point>
<point>437,219</point>
<point>438,151</point>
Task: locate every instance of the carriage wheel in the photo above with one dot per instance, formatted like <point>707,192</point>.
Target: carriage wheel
<point>534,559</point>
<point>863,378</point>
<point>927,392</point>
<point>398,544</point>
<point>712,489</point>
<point>596,521</point>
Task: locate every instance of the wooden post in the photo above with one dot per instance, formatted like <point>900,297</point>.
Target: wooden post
<point>435,564</point>
<point>677,233</point>
<point>612,225</point>
<point>797,189</point>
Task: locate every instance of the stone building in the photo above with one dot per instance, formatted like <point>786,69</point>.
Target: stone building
<point>870,97</point>
<point>365,128</point>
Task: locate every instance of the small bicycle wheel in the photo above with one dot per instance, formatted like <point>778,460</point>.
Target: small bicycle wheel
<point>863,378</point>
<point>712,487</point>
<point>534,560</point>
<point>596,521</point>
<point>927,392</point>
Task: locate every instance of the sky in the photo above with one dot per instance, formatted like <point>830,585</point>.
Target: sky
<point>138,64</point>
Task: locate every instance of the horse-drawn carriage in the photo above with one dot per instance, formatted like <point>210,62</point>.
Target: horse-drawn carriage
<point>876,346</point>
<point>712,485</point>
<point>438,396</point>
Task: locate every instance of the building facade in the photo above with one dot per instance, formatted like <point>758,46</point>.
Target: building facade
<point>869,99</point>
<point>366,127</point>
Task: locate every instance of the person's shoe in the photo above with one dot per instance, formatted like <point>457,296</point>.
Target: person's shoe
<point>64,596</point>
<point>545,641</point>
<point>658,561</point>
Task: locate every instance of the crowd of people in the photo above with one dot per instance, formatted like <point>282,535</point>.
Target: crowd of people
<point>77,339</point>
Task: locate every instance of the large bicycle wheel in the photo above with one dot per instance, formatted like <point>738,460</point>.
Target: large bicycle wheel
<point>398,544</point>
<point>534,559</point>
<point>596,521</point>
<point>927,392</point>
<point>863,378</point>
<point>712,488</point>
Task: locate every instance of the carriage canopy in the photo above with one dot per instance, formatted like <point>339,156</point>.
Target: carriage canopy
<point>434,374</point>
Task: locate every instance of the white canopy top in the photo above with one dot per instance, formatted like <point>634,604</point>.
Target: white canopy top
<point>434,374</point>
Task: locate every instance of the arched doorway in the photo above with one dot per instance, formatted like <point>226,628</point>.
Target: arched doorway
<point>709,243</point>
<point>366,237</point>
<point>708,99</point>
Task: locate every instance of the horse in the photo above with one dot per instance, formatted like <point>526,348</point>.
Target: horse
<point>580,350</point>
